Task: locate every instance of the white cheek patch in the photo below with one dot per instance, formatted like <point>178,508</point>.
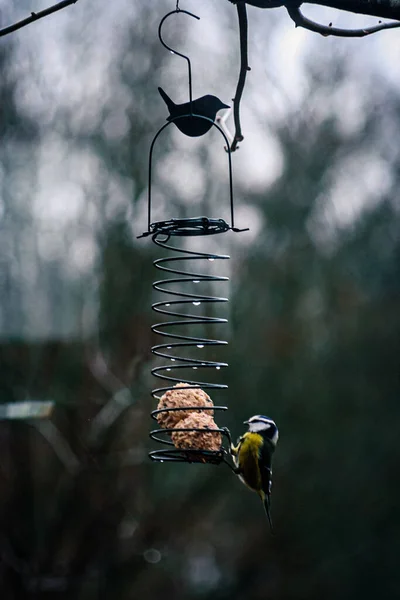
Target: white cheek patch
<point>260,426</point>
<point>275,438</point>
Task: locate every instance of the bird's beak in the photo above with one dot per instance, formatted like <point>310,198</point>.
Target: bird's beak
<point>225,106</point>
<point>245,422</point>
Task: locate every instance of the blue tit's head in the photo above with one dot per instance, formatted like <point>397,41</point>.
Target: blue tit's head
<point>264,426</point>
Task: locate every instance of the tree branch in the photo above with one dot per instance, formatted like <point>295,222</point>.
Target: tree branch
<point>121,398</point>
<point>36,16</point>
<point>381,8</point>
<point>301,21</point>
<point>59,444</point>
<point>244,67</point>
<point>386,9</point>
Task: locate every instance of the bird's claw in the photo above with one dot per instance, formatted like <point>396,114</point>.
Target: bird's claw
<point>228,434</point>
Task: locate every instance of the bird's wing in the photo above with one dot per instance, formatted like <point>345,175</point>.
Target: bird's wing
<point>265,462</point>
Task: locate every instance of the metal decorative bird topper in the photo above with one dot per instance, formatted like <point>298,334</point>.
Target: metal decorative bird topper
<point>196,117</point>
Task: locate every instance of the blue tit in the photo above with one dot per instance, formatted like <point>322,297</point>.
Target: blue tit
<point>253,457</point>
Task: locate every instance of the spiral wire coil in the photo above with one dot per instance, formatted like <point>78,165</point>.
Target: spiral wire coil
<point>174,265</point>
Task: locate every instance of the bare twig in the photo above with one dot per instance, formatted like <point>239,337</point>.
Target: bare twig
<point>121,397</point>
<point>301,21</point>
<point>59,444</point>
<point>244,67</point>
<point>36,16</point>
<point>100,371</point>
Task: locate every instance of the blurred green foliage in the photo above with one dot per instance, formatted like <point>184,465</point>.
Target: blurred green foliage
<point>314,343</point>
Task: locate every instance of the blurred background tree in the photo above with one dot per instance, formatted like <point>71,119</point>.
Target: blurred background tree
<point>314,320</point>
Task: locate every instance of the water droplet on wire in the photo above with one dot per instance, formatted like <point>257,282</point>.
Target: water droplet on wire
<point>200,345</point>
<point>196,303</point>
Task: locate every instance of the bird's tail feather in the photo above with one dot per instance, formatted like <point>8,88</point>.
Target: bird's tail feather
<point>170,104</point>
<point>268,511</point>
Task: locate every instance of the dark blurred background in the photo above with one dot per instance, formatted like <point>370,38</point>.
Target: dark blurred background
<point>314,322</point>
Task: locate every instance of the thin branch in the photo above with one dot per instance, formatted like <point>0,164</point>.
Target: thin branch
<point>36,16</point>
<point>59,444</point>
<point>244,67</point>
<point>121,397</point>
<point>106,417</point>
<point>301,21</point>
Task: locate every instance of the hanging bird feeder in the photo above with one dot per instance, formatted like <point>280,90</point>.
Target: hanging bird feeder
<point>185,413</point>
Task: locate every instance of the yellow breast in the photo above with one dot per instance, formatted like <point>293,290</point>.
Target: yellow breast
<point>247,460</point>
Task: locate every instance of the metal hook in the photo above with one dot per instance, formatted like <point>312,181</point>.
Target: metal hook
<point>173,12</point>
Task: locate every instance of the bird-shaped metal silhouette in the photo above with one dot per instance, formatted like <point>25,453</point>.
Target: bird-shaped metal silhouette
<point>191,121</point>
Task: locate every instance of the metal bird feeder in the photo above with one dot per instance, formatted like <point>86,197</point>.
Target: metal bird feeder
<point>184,290</point>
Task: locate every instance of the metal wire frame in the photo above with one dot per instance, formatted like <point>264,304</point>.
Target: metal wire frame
<point>154,227</point>
<point>174,265</point>
<point>161,233</point>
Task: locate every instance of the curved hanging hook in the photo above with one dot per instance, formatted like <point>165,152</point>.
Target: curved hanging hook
<point>174,12</point>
